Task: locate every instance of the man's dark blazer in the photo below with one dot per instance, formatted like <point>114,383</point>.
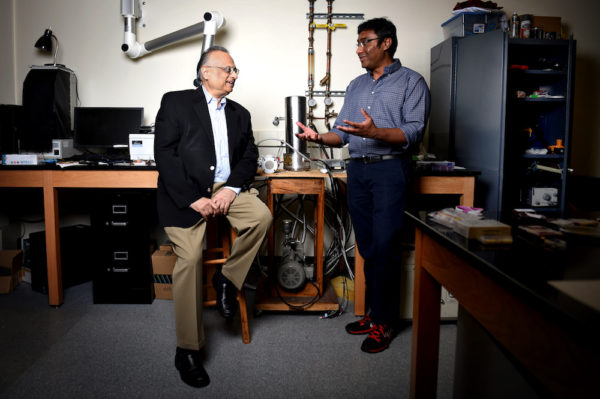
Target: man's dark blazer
<point>184,151</point>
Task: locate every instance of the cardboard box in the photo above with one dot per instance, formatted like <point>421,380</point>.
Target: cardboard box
<point>163,262</point>
<point>10,266</point>
<point>548,24</point>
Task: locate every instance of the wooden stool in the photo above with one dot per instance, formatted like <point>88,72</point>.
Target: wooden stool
<point>219,238</point>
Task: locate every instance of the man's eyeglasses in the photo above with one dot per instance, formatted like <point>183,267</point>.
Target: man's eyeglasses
<point>363,43</point>
<point>227,69</point>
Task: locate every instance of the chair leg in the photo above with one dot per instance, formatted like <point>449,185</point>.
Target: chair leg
<point>219,252</point>
<point>244,316</point>
<point>241,301</point>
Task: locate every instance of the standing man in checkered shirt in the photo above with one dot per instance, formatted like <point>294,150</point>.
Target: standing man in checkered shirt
<point>382,120</point>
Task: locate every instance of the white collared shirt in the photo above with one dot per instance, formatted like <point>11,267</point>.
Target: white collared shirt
<point>219,127</point>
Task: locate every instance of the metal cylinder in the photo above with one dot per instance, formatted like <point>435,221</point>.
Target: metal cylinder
<point>287,226</point>
<point>295,111</point>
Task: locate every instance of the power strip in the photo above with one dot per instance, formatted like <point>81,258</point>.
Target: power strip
<point>21,159</point>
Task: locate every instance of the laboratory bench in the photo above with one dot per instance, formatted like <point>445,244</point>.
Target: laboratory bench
<point>539,303</point>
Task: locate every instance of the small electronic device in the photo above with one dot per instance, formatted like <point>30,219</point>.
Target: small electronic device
<point>542,196</point>
<point>141,146</point>
<point>61,149</point>
<point>21,159</point>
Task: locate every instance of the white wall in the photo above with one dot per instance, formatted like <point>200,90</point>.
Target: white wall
<point>7,64</point>
<point>268,40</point>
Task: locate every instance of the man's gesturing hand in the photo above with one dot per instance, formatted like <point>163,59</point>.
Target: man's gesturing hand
<point>308,134</point>
<point>365,128</point>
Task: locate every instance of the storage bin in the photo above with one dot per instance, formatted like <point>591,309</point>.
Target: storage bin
<point>471,23</point>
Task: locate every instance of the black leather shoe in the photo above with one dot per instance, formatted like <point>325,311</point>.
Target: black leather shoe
<point>226,295</point>
<point>190,368</point>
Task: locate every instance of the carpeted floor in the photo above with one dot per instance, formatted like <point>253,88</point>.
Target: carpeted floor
<point>83,350</point>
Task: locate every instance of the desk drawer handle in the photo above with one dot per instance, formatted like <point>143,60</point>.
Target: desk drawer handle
<point>118,224</point>
<point>119,209</point>
<point>120,255</point>
<point>120,269</point>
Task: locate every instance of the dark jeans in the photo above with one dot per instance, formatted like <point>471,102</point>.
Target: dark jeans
<point>376,199</point>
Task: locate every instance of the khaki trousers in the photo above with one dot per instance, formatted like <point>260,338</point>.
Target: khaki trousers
<point>251,219</point>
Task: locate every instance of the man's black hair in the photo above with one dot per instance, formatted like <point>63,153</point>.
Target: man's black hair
<point>383,28</point>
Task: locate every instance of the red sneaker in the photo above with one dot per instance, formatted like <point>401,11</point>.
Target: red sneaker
<point>378,339</point>
<point>362,326</point>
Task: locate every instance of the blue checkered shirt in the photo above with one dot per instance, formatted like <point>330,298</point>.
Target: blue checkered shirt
<point>398,99</point>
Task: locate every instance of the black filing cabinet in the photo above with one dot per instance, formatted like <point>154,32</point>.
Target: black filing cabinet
<point>122,222</point>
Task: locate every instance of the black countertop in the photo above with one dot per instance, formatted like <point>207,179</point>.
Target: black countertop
<point>525,268</point>
<point>90,167</point>
<point>146,166</point>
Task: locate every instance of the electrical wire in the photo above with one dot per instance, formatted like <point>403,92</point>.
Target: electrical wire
<point>301,306</point>
<point>342,306</point>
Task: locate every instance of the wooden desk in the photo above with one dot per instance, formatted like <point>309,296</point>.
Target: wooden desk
<point>50,181</point>
<point>508,291</point>
<point>462,184</point>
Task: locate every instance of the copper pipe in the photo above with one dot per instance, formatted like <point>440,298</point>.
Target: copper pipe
<point>327,77</point>
<point>311,58</point>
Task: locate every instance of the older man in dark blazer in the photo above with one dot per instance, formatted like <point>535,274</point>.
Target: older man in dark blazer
<point>207,159</point>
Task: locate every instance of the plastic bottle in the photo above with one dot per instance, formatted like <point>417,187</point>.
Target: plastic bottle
<point>525,26</point>
<point>503,23</point>
<point>515,26</point>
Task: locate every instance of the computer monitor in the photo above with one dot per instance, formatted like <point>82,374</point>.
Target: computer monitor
<point>105,127</point>
<point>11,125</point>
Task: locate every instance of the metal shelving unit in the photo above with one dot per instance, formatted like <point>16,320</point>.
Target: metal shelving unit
<point>507,96</point>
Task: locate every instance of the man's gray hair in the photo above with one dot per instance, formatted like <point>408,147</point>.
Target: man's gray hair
<point>206,55</point>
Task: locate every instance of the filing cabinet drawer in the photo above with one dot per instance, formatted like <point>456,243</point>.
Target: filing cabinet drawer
<point>125,209</point>
<point>121,291</point>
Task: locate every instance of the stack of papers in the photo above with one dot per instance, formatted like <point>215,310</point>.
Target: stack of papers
<point>474,226</point>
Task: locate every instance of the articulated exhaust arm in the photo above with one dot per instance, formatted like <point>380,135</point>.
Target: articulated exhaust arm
<point>130,11</point>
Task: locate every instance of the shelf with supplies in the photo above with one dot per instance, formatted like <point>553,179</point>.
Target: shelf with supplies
<point>542,156</point>
<point>518,133</point>
<point>540,72</point>
<point>541,100</point>
<point>538,120</point>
